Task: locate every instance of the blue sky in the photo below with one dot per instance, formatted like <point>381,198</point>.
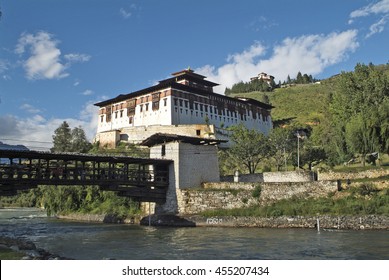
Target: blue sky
<point>57,58</point>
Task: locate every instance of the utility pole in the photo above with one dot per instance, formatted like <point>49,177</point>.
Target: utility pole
<point>299,134</point>
<point>298,151</point>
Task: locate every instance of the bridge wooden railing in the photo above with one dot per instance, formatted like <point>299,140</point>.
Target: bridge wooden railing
<point>143,179</point>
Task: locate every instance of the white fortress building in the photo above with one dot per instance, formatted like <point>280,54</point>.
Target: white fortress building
<point>184,105</point>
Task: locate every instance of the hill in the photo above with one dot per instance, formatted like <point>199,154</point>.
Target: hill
<point>301,103</point>
<point>304,104</point>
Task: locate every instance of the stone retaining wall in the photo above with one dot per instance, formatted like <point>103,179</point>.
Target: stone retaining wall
<point>373,173</point>
<point>237,195</point>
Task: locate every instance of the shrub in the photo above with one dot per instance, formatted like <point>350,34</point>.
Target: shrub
<point>257,191</point>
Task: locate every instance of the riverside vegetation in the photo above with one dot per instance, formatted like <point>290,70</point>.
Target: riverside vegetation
<point>344,120</point>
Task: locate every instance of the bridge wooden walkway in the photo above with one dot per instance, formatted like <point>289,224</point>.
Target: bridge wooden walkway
<point>140,178</point>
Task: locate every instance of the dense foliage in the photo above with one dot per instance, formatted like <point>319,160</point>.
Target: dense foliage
<point>300,79</point>
<point>72,199</point>
<point>81,199</point>
<point>359,110</point>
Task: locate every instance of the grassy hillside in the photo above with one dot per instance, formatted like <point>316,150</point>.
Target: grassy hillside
<point>304,103</point>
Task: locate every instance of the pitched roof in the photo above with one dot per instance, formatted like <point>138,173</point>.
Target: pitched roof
<point>160,138</point>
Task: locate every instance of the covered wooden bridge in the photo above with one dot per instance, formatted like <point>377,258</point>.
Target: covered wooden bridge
<point>140,178</point>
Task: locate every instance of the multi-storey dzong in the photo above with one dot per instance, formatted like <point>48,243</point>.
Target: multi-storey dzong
<point>184,105</point>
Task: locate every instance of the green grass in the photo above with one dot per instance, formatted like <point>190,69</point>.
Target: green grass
<point>304,103</point>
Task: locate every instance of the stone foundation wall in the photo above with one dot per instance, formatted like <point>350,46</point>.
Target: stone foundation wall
<point>137,134</point>
<point>237,195</point>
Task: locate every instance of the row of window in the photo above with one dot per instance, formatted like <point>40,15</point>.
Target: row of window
<point>155,105</point>
<point>213,117</point>
<point>208,108</point>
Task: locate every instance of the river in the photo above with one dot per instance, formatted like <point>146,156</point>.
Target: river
<point>96,241</point>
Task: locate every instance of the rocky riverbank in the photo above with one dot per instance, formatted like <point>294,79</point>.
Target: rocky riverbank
<point>13,248</point>
<point>370,222</point>
<point>100,218</point>
<point>373,222</point>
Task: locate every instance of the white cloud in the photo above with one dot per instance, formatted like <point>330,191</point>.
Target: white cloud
<point>44,61</point>
<point>44,56</point>
<point>77,57</point>
<point>29,108</point>
<point>309,54</point>
<point>87,92</point>
<point>124,13</point>
<point>378,27</point>
<point>3,65</point>
<point>379,8</point>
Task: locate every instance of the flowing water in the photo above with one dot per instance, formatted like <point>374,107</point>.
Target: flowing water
<point>96,241</point>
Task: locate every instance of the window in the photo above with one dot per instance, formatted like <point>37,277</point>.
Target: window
<point>181,102</point>
<point>130,120</point>
<point>165,102</point>
<point>163,150</point>
<point>198,132</point>
<point>186,103</point>
<point>155,105</point>
<point>175,101</point>
<point>147,106</point>
<point>116,114</point>
<point>101,118</point>
<point>141,108</point>
<point>121,113</point>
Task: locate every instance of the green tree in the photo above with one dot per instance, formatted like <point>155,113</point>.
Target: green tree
<point>249,147</point>
<point>62,139</point>
<point>311,154</point>
<point>299,78</point>
<point>288,80</point>
<point>79,143</point>
<point>281,145</point>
